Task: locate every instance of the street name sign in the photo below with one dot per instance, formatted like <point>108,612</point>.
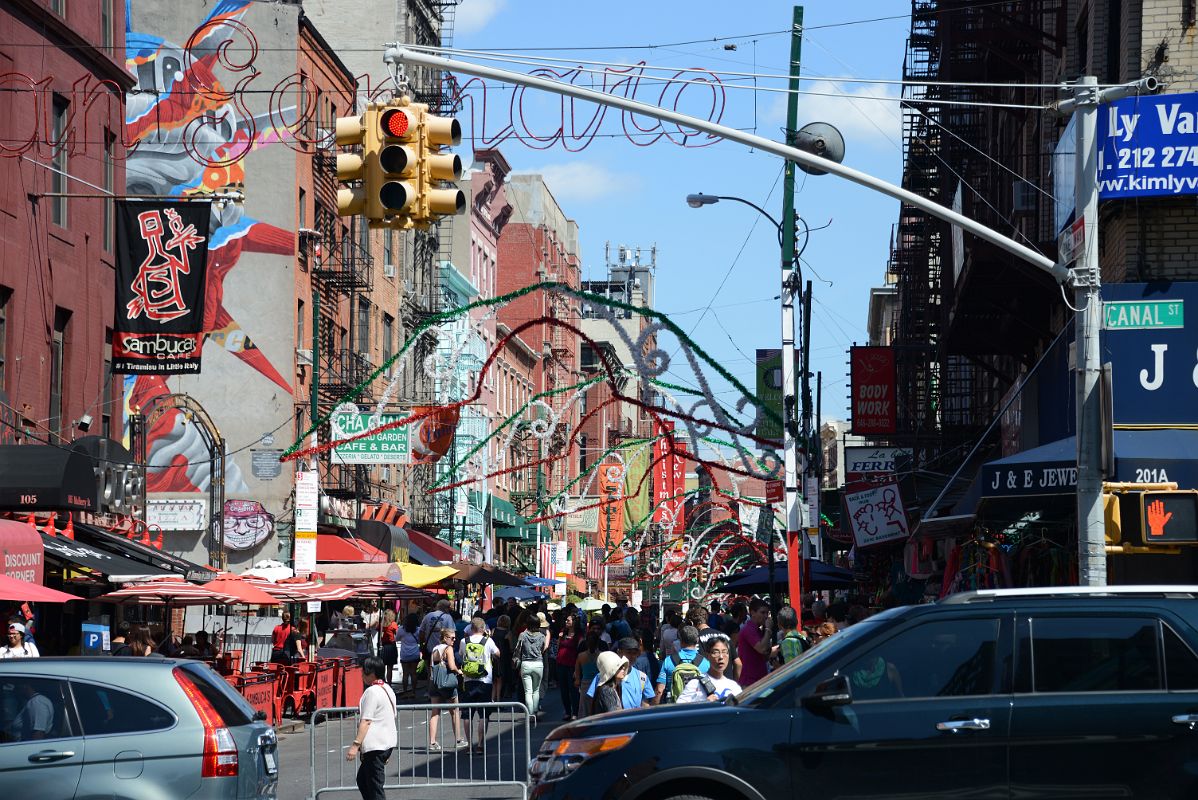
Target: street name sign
<point>1132,315</point>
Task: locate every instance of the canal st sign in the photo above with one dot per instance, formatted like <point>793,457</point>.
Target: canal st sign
<point>1133,315</point>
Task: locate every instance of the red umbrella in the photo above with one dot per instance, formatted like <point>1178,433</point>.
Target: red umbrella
<point>247,593</point>
<point>22,591</point>
<point>168,591</point>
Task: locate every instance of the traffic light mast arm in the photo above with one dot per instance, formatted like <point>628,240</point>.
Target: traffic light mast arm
<point>395,55</point>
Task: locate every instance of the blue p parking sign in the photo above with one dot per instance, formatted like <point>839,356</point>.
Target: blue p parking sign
<point>94,639</point>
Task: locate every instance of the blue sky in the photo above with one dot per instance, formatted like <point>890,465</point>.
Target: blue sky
<point>633,195</point>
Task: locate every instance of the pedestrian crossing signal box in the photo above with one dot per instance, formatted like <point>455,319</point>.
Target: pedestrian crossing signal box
<point>1160,518</point>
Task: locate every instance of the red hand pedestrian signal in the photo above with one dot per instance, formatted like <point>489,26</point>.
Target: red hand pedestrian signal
<point>1157,518</point>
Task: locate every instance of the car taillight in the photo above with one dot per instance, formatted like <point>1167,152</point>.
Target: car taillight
<point>220,748</point>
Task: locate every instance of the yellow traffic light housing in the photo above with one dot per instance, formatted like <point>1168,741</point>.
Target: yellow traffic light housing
<point>401,167</point>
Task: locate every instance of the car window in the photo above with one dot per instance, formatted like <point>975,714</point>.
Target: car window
<point>32,709</point>
<point>1095,654</point>
<point>944,658</point>
<point>1181,665</point>
<point>104,710</point>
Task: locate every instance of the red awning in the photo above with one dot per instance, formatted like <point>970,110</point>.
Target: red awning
<point>434,547</point>
<point>21,548</point>
<point>331,547</point>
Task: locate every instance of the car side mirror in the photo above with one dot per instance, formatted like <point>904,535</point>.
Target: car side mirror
<point>259,716</point>
<point>835,691</point>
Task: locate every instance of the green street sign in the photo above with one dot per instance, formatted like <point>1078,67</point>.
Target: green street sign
<point>391,446</point>
<point>1135,315</point>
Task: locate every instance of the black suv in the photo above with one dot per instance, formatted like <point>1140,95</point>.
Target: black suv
<point>1025,693</point>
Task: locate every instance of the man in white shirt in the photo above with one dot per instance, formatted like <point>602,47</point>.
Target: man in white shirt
<point>478,656</point>
<point>377,734</point>
<point>17,647</point>
<point>714,685</point>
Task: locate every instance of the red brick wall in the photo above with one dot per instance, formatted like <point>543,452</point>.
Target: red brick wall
<point>43,265</point>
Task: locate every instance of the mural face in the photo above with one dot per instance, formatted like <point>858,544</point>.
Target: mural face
<point>247,524</point>
<point>190,136</point>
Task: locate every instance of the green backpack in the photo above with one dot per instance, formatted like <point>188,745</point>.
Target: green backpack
<point>474,665</point>
<point>684,673</point>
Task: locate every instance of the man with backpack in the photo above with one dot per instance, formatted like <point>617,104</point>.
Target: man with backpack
<point>792,644</point>
<point>679,669</point>
<point>478,657</point>
<point>714,684</point>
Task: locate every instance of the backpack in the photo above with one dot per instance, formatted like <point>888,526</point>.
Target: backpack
<point>684,673</point>
<point>474,662</point>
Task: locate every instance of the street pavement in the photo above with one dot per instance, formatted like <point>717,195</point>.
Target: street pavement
<point>504,757</point>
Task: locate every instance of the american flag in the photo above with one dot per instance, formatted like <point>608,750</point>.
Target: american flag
<point>549,553</point>
<point>596,556</point>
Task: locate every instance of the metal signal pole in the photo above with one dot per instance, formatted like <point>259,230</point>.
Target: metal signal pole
<point>795,549</point>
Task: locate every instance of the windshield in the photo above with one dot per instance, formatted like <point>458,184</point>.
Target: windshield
<point>765,687</point>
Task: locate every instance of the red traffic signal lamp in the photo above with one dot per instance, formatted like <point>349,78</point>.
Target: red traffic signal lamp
<point>397,179</point>
<point>1169,517</point>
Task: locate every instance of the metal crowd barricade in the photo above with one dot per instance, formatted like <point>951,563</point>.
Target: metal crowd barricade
<point>503,762</point>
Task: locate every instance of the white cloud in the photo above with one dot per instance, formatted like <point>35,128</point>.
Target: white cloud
<point>584,181</point>
<point>863,121</point>
<point>473,15</point>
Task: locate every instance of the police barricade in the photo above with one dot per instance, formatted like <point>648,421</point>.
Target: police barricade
<point>502,762</point>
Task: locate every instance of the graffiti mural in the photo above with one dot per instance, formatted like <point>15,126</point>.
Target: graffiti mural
<point>190,130</point>
<point>247,524</point>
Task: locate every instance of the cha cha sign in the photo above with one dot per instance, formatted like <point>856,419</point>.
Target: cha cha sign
<point>389,446</point>
<point>1148,146</point>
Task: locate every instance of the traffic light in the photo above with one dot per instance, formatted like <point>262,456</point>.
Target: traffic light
<point>401,167</point>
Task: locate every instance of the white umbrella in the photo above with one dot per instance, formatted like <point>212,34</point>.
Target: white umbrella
<point>590,604</point>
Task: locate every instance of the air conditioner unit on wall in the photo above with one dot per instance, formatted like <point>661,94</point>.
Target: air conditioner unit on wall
<point>303,358</point>
<point>388,270</point>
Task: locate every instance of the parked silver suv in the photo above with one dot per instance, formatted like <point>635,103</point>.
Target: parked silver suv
<point>129,728</point>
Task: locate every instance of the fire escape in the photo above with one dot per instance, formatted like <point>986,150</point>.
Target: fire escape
<point>430,23</point>
<point>341,271</point>
<point>968,315</point>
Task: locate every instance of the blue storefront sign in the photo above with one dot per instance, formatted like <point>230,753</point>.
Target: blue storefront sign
<point>1148,146</point>
<point>94,639</point>
<point>1155,367</point>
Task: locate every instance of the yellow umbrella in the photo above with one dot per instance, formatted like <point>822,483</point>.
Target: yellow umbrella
<point>418,576</point>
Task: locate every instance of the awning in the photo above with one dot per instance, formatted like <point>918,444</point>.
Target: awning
<point>143,554</point>
<point>37,477</point>
<point>331,547</point>
<point>413,575</point>
<point>21,547</point>
<point>503,513</point>
<point>113,567</point>
<point>1141,456</point>
<point>389,540</point>
<point>424,549</point>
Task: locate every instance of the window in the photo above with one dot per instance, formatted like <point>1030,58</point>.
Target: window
<point>34,708</point>
<point>1092,654</point>
<point>388,338</point>
<point>59,7</point>
<point>104,710</point>
<point>58,354</point>
<point>302,204</point>
<point>363,234</point>
<point>106,24</point>
<point>5,296</point>
<point>951,658</point>
<point>363,327</point>
<point>106,388</point>
<point>1181,665</point>
<point>389,248</point>
<point>109,187</point>
<point>58,160</point>
<point>1082,34</point>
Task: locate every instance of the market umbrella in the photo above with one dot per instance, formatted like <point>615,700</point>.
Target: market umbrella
<point>167,592</point>
<point>590,604</point>
<point>520,593</point>
<point>22,591</point>
<point>417,576</point>
<point>537,580</point>
<point>823,576</point>
<point>247,594</point>
<point>484,574</point>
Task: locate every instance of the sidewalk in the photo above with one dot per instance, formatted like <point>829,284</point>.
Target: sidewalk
<point>503,760</point>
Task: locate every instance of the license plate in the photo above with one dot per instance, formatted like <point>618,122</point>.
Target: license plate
<point>271,765</point>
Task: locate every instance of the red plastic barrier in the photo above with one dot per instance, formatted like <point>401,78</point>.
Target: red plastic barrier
<point>351,681</point>
<point>258,688</point>
<point>326,684</point>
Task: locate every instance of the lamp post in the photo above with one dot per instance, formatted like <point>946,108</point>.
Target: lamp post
<point>790,439</point>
